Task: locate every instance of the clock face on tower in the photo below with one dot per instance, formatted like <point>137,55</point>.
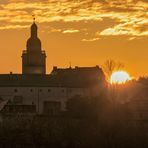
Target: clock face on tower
<point>33,58</point>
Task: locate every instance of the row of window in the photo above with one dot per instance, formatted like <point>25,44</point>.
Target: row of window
<point>40,90</point>
<point>19,109</point>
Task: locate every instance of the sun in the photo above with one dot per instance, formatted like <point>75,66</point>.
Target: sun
<point>119,77</point>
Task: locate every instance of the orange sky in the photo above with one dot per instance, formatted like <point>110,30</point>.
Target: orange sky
<point>83,32</point>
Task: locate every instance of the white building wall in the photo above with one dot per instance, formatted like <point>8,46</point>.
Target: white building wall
<point>38,95</point>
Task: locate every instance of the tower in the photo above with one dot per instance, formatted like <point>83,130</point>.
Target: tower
<point>34,58</point>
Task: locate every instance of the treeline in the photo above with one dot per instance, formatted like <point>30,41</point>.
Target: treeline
<point>143,80</point>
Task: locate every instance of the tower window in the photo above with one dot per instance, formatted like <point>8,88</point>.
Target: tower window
<point>31,90</point>
<point>49,90</point>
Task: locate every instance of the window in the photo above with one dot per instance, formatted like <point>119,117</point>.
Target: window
<point>15,90</point>
<point>52,107</point>
<point>49,90</point>
<point>31,90</point>
<point>63,90</point>
<point>19,109</point>
<point>18,100</point>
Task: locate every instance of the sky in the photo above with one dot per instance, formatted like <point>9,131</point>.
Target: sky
<point>80,32</point>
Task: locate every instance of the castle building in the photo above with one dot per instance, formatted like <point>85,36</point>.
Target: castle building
<point>37,92</point>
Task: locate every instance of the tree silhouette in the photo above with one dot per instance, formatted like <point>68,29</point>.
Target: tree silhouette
<point>110,66</point>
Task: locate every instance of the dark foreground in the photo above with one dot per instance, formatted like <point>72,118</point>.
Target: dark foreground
<point>69,132</point>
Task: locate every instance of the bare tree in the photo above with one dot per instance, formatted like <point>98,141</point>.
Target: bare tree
<point>110,66</point>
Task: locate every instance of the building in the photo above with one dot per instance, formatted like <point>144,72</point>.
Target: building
<point>46,93</point>
<point>33,58</point>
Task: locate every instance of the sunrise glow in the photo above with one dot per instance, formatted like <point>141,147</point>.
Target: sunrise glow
<point>119,77</point>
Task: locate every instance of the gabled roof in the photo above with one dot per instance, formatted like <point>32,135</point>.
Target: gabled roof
<point>2,104</point>
<point>79,76</point>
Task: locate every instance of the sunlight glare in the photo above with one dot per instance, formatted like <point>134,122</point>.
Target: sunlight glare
<point>119,77</point>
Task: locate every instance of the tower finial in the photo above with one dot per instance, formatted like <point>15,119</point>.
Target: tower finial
<point>33,27</point>
<point>33,16</point>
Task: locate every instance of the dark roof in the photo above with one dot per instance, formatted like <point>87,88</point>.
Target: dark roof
<point>77,77</point>
<point>24,80</point>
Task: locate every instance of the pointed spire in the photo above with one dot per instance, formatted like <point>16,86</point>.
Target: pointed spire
<point>33,18</point>
<point>34,43</point>
<point>34,28</point>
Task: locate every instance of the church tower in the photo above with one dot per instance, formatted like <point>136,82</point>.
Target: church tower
<point>34,58</point>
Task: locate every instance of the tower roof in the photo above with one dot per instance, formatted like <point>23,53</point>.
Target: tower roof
<point>34,30</point>
<point>34,26</point>
<point>34,43</point>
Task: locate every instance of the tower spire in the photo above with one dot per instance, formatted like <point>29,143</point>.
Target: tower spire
<point>33,16</point>
<point>34,28</point>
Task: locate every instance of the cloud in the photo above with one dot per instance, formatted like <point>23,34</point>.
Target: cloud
<point>13,27</point>
<point>136,27</point>
<point>53,30</point>
<point>70,31</point>
<point>118,30</point>
<point>131,16</point>
<point>90,40</point>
